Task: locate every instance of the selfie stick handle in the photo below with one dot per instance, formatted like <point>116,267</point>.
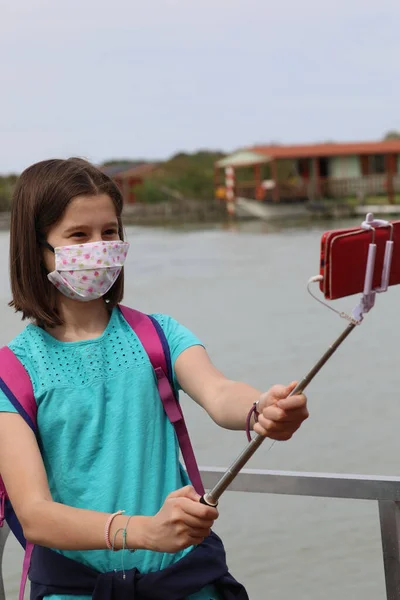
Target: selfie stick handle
<point>211,498</point>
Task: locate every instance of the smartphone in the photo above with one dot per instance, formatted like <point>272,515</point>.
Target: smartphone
<point>343,259</point>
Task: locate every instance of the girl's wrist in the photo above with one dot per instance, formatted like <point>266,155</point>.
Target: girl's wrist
<point>136,532</point>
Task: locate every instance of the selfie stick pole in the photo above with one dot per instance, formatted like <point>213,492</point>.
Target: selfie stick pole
<point>211,498</point>
<point>366,303</point>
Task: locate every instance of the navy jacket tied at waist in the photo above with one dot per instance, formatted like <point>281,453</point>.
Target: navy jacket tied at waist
<point>53,573</point>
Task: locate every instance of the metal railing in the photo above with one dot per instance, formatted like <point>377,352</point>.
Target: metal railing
<point>383,490</point>
<point>325,187</point>
<point>342,187</point>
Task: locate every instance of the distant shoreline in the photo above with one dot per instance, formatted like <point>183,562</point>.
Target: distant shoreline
<point>164,213</point>
<point>197,212</point>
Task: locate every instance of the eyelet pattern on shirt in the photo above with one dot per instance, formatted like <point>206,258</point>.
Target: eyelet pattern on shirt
<point>54,364</point>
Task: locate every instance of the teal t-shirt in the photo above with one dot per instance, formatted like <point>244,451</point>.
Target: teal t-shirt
<point>105,440</point>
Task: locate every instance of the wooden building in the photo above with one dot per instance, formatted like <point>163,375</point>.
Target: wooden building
<point>333,170</point>
<point>128,175</point>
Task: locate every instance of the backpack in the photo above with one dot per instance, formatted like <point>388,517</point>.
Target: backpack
<point>16,385</point>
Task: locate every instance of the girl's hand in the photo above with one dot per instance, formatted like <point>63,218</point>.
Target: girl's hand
<point>280,416</point>
<point>181,522</point>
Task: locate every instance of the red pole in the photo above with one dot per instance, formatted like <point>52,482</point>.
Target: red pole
<point>317,182</point>
<point>274,177</point>
<point>390,171</point>
<point>257,181</point>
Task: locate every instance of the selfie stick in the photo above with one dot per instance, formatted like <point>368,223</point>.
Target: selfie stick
<point>366,303</point>
<point>211,498</point>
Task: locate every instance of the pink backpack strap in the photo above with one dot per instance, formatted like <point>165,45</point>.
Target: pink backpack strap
<point>25,569</point>
<point>149,336</point>
<point>17,386</point>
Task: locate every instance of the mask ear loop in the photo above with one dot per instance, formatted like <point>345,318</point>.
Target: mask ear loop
<point>45,244</point>
<point>48,246</point>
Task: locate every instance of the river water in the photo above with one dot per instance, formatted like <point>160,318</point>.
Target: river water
<point>242,290</point>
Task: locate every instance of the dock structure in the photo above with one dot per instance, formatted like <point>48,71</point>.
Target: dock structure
<point>279,173</point>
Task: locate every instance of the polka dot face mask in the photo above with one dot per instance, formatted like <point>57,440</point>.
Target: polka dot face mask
<point>87,271</point>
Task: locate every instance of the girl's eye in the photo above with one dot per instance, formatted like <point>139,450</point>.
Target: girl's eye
<point>78,234</point>
<point>111,232</point>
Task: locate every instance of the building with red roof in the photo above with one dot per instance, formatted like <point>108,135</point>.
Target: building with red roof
<point>300,172</point>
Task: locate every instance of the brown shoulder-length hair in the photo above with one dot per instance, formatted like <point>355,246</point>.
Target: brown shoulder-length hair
<point>41,196</point>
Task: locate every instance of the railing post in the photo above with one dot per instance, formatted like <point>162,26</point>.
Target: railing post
<point>389,516</point>
<point>4,531</point>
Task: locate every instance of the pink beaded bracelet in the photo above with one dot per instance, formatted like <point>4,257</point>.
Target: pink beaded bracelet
<point>108,527</point>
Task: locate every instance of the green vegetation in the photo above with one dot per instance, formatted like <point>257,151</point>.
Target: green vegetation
<point>189,176</point>
<point>392,135</point>
<point>7,184</point>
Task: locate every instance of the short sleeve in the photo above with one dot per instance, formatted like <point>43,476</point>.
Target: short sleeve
<point>179,338</point>
<point>5,404</point>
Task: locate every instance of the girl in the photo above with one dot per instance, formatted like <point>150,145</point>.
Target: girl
<point>104,443</point>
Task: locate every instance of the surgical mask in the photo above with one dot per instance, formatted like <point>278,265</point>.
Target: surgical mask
<point>87,271</point>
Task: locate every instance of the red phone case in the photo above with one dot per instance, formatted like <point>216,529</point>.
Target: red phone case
<point>344,255</point>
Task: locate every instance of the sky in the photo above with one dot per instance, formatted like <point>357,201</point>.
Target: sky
<point>128,79</point>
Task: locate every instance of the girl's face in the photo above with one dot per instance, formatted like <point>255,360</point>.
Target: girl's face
<point>86,219</point>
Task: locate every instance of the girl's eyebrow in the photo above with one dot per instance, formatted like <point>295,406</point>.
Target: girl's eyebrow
<point>83,227</point>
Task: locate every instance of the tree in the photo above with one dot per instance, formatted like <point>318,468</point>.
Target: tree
<point>392,135</point>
